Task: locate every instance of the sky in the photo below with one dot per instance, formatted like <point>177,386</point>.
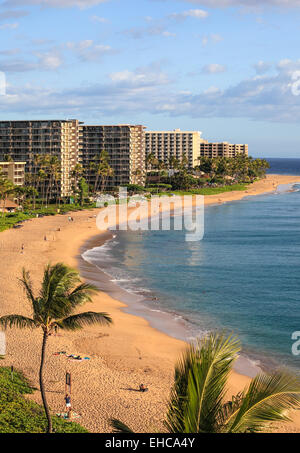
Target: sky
<point>228,68</point>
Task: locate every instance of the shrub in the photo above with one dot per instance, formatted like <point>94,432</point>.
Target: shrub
<point>19,415</point>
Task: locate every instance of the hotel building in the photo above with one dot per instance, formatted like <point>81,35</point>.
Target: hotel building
<point>14,171</point>
<point>125,145</point>
<point>223,149</point>
<point>23,140</point>
<point>72,142</point>
<point>178,144</point>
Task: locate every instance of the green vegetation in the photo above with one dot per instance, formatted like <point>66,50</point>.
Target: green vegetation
<point>19,415</point>
<point>10,219</point>
<point>220,173</point>
<point>208,190</point>
<point>53,308</point>
<point>197,403</point>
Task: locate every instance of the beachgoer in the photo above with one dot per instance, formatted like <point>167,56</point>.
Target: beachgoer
<point>143,388</point>
<point>45,238</point>
<point>68,404</point>
<point>22,248</point>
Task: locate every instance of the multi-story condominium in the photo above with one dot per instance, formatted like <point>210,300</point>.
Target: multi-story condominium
<point>14,171</point>
<point>72,142</point>
<point>125,145</point>
<point>177,144</point>
<point>23,140</point>
<point>223,149</point>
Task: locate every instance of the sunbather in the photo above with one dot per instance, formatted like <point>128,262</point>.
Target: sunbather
<point>143,388</point>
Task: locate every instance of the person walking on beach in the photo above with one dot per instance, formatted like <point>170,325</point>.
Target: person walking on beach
<point>68,405</point>
<point>22,248</point>
<point>143,388</point>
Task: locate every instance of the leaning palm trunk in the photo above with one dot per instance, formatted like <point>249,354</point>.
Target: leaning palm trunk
<point>42,388</point>
<point>53,308</point>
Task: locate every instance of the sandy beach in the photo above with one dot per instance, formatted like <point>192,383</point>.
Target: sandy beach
<point>122,356</point>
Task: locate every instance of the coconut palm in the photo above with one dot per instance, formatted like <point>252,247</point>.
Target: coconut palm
<point>53,307</point>
<point>151,161</point>
<point>76,175</point>
<point>6,189</point>
<point>198,398</point>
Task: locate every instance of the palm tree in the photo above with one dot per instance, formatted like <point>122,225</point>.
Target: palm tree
<point>151,161</point>
<point>197,402</point>
<point>102,170</point>
<point>53,308</point>
<point>77,174</point>
<point>6,189</point>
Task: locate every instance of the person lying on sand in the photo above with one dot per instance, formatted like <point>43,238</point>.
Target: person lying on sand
<point>143,388</point>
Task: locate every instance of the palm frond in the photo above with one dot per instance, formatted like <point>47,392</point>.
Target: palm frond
<point>58,295</point>
<point>57,282</point>
<point>21,322</point>
<point>36,304</point>
<point>200,381</point>
<point>120,427</point>
<point>81,320</point>
<point>229,408</point>
<point>81,294</point>
<point>268,399</point>
<point>27,284</point>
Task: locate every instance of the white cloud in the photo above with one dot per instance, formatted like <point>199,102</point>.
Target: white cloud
<point>195,13</point>
<point>50,61</point>
<point>17,65</point>
<point>142,77</point>
<point>47,61</point>
<point>213,38</point>
<point>213,68</point>
<point>212,90</point>
<point>168,34</point>
<point>100,20</point>
<point>148,90</point>
<point>262,67</point>
<point>9,26</point>
<point>10,52</point>
<point>82,4</point>
<point>245,3</point>
<point>87,50</point>
<point>13,14</point>
<point>142,32</point>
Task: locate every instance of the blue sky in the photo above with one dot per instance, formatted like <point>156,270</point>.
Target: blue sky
<point>226,67</point>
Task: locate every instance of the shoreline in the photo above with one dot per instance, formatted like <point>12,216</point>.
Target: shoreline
<point>171,323</point>
<point>123,356</point>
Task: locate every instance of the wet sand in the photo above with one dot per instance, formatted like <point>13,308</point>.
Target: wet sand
<point>123,356</point>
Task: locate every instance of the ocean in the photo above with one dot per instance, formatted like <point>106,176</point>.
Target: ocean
<point>243,277</point>
<point>283,166</point>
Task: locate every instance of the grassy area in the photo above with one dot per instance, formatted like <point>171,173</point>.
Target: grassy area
<point>208,190</point>
<point>19,415</point>
<point>9,220</point>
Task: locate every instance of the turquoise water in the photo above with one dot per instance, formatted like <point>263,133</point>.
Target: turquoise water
<point>243,276</point>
